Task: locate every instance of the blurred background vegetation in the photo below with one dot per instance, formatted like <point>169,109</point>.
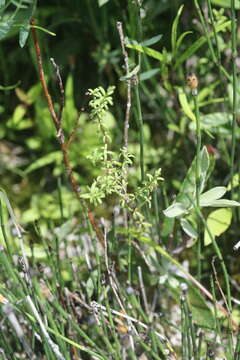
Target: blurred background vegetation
<point>168,39</point>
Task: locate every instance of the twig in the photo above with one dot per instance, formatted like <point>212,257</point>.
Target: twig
<point>128,107</point>
<point>64,145</point>
<point>61,88</point>
<point>42,76</point>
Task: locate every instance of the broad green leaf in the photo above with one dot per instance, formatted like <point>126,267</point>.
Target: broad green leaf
<point>25,28</point>
<point>55,156</point>
<point>197,44</point>
<point>102,2</point>
<point>187,191</point>
<point>201,312</point>
<point>23,35</point>
<point>223,203</point>
<point>211,195</point>
<point>176,209</point>
<point>185,105</point>
<point>217,223</point>
<point>151,41</point>
<point>148,74</point>
<point>5,27</point>
<point>234,183</point>
<point>174,30</point>
<point>212,121</point>
<point>148,51</point>
<point>188,229</point>
<point>2,3</point>
<point>226,3</point>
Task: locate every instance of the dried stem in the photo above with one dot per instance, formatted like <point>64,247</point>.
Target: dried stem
<point>64,145</point>
<point>128,108</point>
<point>61,88</point>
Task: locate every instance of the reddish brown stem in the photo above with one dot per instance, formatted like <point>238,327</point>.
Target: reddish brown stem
<point>64,145</point>
<point>42,77</point>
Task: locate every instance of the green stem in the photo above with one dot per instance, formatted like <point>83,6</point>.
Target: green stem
<point>139,120</point>
<point>198,134</point>
<point>234,91</point>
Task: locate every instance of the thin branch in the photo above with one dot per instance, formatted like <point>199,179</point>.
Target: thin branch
<point>128,108</point>
<point>61,138</point>
<point>42,77</point>
<point>61,88</point>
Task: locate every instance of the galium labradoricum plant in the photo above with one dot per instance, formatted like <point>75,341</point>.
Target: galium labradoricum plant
<point>112,179</point>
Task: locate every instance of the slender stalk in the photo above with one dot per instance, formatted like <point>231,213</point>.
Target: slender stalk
<point>138,115</point>
<point>234,90</point>
<point>199,140</point>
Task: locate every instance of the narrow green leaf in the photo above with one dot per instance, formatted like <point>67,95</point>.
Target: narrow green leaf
<point>211,195</point>
<point>148,74</point>
<point>204,166</point>
<point>10,87</point>
<point>151,41</point>
<point>181,38</point>
<point>218,222</point>
<point>223,203</point>
<point>131,73</point>
<point>148,51</point>
<point>174,29</point>
<point>198,43</point>
<point>185,105</point>
<point>55,156</point>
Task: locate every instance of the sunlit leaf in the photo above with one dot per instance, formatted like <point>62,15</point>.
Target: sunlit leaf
<point>148,51</point>
<point>226,3</point>
<point>218,222</point>
<point>188,229</point>
<point>102,2</point>
<point>176,209</point>
<point>223,203</point>
<point>185,105</point>
<point>209,196</point>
